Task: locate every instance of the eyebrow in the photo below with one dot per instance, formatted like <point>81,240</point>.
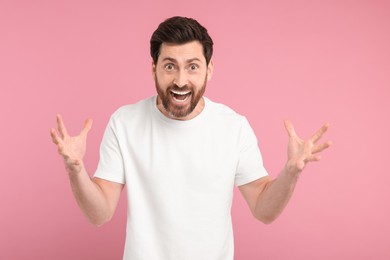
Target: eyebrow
<point>175,61</point>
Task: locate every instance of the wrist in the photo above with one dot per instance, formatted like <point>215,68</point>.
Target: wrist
<point>74,168</point>
<point>292,169</point>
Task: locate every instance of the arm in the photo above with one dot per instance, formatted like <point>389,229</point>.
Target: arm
<point>267,198</point>
<point>96,197</point>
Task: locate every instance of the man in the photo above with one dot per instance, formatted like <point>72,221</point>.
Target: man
<point>180,155</point>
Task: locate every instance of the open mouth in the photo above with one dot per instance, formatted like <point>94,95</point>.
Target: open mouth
<point>180,96</point>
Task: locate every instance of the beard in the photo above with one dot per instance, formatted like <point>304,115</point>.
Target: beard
<point>180,111</point>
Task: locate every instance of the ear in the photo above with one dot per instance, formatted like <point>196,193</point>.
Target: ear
<point>210,69</point>
<point>154,70</point>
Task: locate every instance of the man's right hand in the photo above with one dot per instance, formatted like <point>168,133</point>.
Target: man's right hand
<point>72,148</point>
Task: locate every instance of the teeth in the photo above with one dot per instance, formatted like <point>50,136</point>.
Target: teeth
<point>180,92</point>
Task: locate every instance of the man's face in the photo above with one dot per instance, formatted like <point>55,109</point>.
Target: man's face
<point>181,74</point>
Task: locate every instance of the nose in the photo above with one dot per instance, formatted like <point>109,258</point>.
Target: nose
<point>181,79</point>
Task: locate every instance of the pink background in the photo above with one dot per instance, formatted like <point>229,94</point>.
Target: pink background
<point>311,61</point>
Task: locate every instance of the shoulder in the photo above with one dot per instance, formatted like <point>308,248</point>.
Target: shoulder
<point>222,112</point>
<point>131,112</point>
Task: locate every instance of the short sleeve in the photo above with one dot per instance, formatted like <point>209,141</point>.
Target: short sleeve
<point>250,164</point>
<point>110,165</point>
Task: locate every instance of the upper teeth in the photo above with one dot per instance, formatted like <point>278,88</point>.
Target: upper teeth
<point>180,92</point>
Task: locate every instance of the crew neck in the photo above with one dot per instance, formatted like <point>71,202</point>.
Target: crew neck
<point>181,123</point>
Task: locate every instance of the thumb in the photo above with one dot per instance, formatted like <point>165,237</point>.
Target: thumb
<point>290,128</point>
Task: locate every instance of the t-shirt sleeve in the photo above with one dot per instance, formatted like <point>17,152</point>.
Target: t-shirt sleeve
<point>250,164</point>
<point>110,165</point>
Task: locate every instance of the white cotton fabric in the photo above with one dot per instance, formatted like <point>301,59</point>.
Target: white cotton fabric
<point>180,177</point>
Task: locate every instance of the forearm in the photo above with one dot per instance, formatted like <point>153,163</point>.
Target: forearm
<point>89,197</point>
<point>275,197</point>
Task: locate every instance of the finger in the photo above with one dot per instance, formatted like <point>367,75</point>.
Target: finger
<point>61,150</point>
<point>319,133</point>
<point>61,126</point>
<point>321,147</point>
<point>290,128</point>
<point>313,158</point>
<point>87,126</point>
<point>54,136</point>
<point>303,161</point>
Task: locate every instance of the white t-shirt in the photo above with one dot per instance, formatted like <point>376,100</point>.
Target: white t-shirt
<point>180,177</point>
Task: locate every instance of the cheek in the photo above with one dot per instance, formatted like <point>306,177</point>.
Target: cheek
<point>154,77</point>
<point>199,80</point>
<point>163,80</point>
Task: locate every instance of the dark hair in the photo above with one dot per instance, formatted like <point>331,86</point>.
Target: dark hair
<point>180,30</point>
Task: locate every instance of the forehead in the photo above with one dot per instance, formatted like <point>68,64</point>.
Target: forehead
<point>182,52</point>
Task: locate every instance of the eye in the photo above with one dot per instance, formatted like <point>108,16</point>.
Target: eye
<point>169,66</point>
<point>194,67</point>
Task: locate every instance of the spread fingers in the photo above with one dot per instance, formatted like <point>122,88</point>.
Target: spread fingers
<point>61,126</point>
